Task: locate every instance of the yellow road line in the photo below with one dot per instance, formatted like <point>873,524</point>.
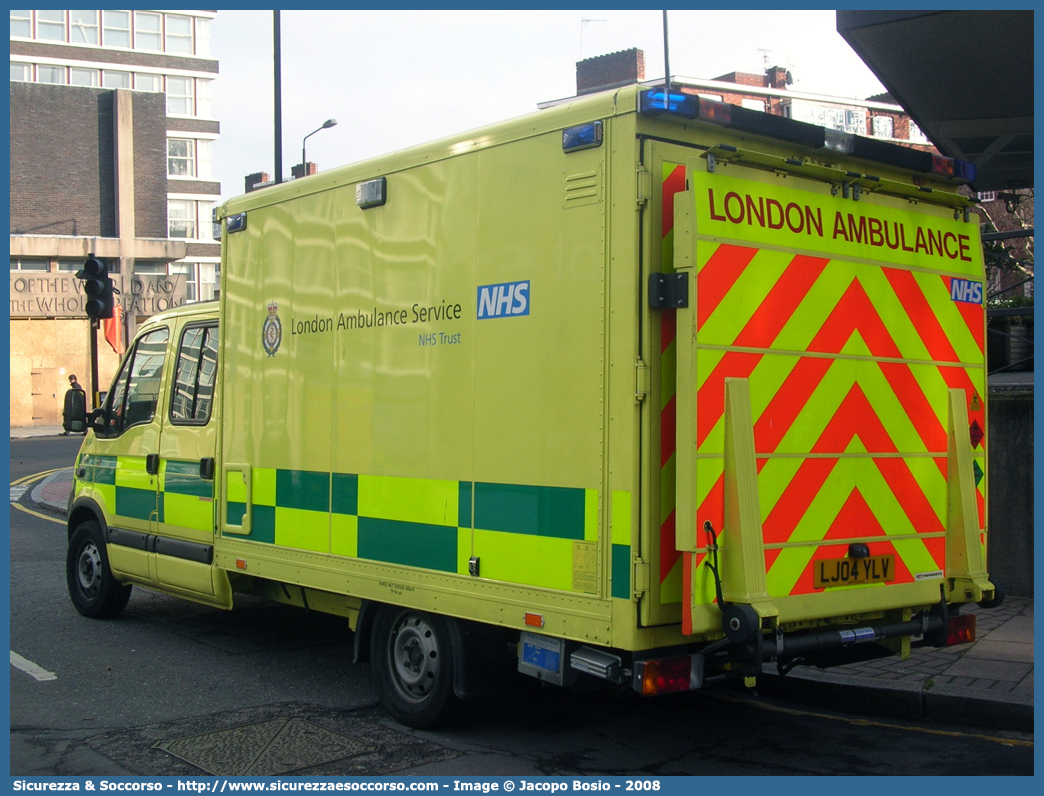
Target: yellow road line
<point>37,476</point>
<point>870,722</point>
<point>20,507</point>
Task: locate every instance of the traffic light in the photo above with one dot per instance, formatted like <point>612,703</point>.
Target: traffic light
<point>98,288</point>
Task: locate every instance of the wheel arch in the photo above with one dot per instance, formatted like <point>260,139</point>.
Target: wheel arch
<point>84,509</point>
<point>472,647</point>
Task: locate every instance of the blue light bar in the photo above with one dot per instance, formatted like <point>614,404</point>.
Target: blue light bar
<point>653,103</point>
<point>964,170</point>
<point>585,136</point>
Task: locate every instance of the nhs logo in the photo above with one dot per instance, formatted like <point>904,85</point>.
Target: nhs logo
<point>508,300</point>
<point>968,292</point>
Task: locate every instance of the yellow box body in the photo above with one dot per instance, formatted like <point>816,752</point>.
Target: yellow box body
<point>460,399</point>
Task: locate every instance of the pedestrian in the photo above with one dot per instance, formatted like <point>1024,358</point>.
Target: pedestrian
<point>74,413</point>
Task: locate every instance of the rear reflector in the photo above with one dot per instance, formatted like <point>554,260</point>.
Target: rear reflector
<point>534,620</point>
<point>668,675</point>
<point>960,630</point>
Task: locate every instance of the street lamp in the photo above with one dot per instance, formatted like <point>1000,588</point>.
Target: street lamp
<point>304,161</point>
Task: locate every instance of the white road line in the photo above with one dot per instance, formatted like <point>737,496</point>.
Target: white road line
<point>17,492</point>
<point>31,668</point>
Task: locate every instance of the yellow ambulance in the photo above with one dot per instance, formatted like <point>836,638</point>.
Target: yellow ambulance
<point>642,387</point>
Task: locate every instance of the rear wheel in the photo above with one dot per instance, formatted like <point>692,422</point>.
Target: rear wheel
<point>413,666</point>
<point>93,589</point>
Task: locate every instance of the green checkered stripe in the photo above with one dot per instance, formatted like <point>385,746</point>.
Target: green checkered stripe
<point>183,498</point>
<point>431,524</point>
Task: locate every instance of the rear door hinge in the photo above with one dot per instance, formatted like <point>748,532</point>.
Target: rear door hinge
<point>641,578</point>
<point>642,380</point>
<point>644,185</point>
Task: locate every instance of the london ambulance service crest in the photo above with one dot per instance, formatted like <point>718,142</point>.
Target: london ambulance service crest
<point>272,332</point>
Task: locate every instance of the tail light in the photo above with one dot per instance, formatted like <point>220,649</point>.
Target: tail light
<point>668,675</point>
<point>960,630</point>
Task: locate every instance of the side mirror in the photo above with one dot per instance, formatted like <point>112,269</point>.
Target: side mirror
<point>96,420</point>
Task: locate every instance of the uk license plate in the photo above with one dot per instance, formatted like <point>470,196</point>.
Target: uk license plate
<point>850,571</point>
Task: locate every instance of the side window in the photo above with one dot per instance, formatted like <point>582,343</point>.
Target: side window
<point>135,391</point>
<point>192,397</point>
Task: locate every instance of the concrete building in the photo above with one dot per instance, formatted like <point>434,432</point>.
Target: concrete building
<point>111,146</point>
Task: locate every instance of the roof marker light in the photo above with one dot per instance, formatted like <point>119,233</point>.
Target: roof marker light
<point>373,193</point>
<point>236,223</point>
<point>838,140</point>
<point>585,136</point>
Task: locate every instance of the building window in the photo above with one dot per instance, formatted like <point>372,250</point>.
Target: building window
<point>116,30</point>
<point>152,83</point>
<point>203,98</point>
<point>203,37</point>
<point>147,29</point>
<point>50,74</point>
<point>986,196</point>
<point>50,25</point>
<point>179,34</point>
<point>18,264</point>
<point>70,266</point>
<point>181,219</point>
<point>179,96</point>
<point>21,73</point>
<point>201,279</point>
<point>916,135</point>
<point>181,157</point>
<point>21,24</point>
<point>848,120</point>
<point>83,27</point>
<point>753,104</point>
<point>112,79</point>
<point>882,126</point>
<point>83,77</point>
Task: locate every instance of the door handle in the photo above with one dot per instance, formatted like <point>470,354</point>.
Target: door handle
<point>206,468</point>
<point>152,464</point>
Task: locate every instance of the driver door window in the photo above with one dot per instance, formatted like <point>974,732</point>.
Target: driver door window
<point>135,392</point>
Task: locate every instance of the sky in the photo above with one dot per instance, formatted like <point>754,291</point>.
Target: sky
<point>393,79</point>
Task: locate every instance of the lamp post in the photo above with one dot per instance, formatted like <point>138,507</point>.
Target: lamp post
<point>304,161</point>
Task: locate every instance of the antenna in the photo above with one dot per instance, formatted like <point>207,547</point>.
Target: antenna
<point>582,23</point>
<point>666,63</point>
<point>764,57</point>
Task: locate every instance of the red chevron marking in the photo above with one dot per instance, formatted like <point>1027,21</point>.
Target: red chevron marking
<point>717,277</point>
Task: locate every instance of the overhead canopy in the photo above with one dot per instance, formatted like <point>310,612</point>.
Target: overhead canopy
<point>966,78</point>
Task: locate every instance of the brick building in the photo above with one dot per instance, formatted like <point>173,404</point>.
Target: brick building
<point>111,140</point>
<point>878,117</point>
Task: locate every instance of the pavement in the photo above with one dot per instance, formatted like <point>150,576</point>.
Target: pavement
<point>987,684</point>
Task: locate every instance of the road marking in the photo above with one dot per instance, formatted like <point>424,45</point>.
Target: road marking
<point>17,492</point>
<point>36,476</point>
<point>31,668</point>
<point>868,722</point>
<point>20,507</point>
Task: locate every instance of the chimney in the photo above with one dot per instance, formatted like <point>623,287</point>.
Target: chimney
<point>776,77</point>
<point>299,171</point>
<point>256,180</point>
<point>610,71</point>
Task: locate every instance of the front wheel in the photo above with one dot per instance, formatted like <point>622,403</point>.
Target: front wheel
<point>92,587</point>
<point>413,666</point>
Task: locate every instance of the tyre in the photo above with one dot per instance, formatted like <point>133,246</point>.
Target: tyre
<point>92,588</point>
<point>413,666</point>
